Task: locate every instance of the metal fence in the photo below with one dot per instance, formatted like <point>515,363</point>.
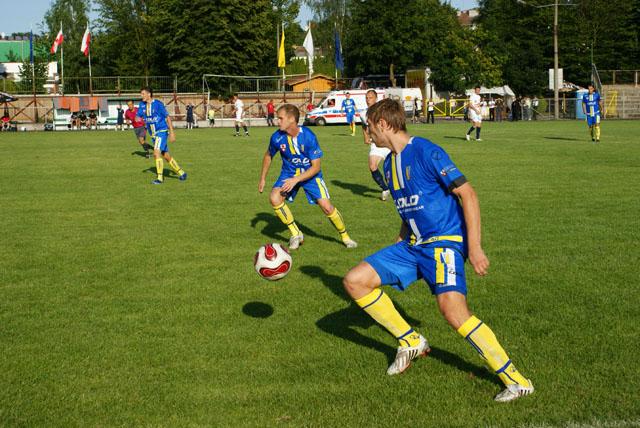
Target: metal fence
<point>620,77</point>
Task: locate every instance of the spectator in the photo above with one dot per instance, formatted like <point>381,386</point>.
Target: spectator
<point>271,112</point>
<point>535,103</point>
<point>120,118</point>
<point>416,110</point>
<point>93,119</point>
<point>492,109</point>
<point>73,121</point>
<point>431,109</point>
<point>452,107</point>
<point>499,109</point>
<point>5,122</point>
<point>310,106</point>
<point>83,120</point>
<point>526,108</point>
<point>189,116</point>
<point>211,115</point>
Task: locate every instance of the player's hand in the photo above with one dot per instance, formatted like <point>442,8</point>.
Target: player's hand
<point>289,184</point>
<point>479,261</point>
<point>172,137</point>
<point>261,185</point>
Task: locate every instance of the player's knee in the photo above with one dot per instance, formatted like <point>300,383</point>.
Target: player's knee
<point>326,206</point>
<point>275,198</point>
<point>353,282</point>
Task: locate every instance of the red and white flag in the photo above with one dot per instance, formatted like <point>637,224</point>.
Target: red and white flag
<point>57,42</point>
<point>86,41</point>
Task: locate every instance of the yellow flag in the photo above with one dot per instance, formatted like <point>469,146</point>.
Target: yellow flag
<point>281,60</point>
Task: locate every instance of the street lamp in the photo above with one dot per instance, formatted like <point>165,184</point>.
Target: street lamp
<point>556,91</point>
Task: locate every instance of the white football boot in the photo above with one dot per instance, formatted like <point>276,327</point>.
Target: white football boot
<point>385,194</point>
<point>295,241</point>
<point>350,243</point>
<point>406,354</point>
<point>512,392</point>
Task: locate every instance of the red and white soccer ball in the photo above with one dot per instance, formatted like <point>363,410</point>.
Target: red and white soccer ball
<point>272,262</point>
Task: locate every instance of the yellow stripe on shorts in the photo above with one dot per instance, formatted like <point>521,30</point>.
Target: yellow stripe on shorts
<point>437,255</point>
<point>321,187</point>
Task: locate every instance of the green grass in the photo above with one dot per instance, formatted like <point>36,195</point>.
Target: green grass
<point>123,303</point>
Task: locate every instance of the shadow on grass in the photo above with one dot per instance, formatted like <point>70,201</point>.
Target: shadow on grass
<point>165,172</point>
<point>257,310</point>
<point>563,138</point>
<point>343,324</point>
<point>140,153</point>
<point>357,189</point>
<point>274,228</point>
<point>451,137</point>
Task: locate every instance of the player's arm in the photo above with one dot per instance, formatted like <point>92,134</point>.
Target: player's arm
<point>584,106</point>
<point>172,135</point>
<point>266,163</point>
<point>290,183</point>
<point>471,209</point>
<point>404,231</point>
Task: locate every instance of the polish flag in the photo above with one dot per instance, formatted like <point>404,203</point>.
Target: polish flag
<point>57,42</point>
<point>86,40</point>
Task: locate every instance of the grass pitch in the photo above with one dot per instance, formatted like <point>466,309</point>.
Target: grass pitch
<point>123,303</point>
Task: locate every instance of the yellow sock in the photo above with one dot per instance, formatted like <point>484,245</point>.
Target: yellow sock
<point>338,223</point>
<point>380,307</point>
<point>480,336</point>
<point>284,214</point>
<point>159,167</point>
<point>597,132</point>
<point>174,166</point>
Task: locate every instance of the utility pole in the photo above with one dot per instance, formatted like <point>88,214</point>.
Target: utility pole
<point>556,90</point>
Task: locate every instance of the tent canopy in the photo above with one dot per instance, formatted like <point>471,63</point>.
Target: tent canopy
<point>503,91</point>
<point>6,98</point>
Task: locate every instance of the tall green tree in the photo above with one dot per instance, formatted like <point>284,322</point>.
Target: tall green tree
<point>125,39</point>
<point>222,37</point>
<point>420,33</point>
<point>73,15</point>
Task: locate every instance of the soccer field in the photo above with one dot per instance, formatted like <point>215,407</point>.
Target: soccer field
<point>124,303</point>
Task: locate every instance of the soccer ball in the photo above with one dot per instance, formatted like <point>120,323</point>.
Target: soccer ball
<point>272,262</point>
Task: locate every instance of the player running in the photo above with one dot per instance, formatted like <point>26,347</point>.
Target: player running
<point>475,113</point>
<point>238,110</point>
<point>349,107</point>
<point>132,118</point>
<point>376,154</point>
<point>440,229</point>
<point>160,127</point>
<point>301,156</point>
<point>591,107</point>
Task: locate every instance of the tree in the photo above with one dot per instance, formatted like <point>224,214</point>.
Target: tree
<point>73,15</point>
<point>426,33</point>
<point>36,72</point>
<point>125,23</point>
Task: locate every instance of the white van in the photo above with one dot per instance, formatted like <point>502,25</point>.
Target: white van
<point>328,110</point>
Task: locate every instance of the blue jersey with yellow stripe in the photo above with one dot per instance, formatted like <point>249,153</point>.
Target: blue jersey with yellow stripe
<point>349,105</point>
<point>592,103</point>
<point>155,116</point>
<point>296,152</point>
<point>421,179</point>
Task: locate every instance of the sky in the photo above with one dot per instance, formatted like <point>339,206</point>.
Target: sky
<point>32,12</point>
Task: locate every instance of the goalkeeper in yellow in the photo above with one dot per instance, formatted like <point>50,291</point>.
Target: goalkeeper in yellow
<point>440,229</point>
<point>301,155</point>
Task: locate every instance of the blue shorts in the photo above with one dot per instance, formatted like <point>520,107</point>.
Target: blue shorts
<point>593,120</point>
<point>440,264</point>
<point>160,141</point>
<point>351,117</point>
<point>314,188</point>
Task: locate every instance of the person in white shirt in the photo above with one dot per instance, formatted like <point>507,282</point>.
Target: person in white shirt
<point>431,106</point>
<point>376,154</point>
<point>475,113</point>
<point>238,108</point>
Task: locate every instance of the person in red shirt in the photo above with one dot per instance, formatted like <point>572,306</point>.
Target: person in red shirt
<point>271,111</point>
<point>138,126</point>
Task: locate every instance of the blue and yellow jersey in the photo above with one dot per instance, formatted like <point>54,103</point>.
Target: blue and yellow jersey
<point>421,179</point>
<point>349,105</point>
<point>592,103</point>
<point>296,152</point>
<point>155,116</point>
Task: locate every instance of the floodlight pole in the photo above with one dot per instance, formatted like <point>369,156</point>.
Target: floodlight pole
<point>556,91</point>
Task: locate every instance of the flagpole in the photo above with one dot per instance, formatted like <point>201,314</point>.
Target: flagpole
<point>90,84</point>
<point>62,63</point>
